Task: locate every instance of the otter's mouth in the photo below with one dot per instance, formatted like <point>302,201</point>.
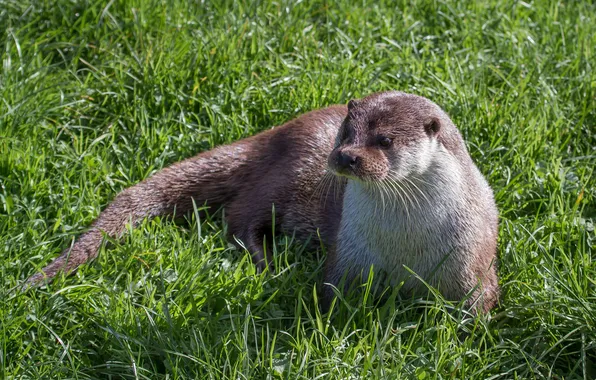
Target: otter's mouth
<point>344,173</point>
<point>353,174</point>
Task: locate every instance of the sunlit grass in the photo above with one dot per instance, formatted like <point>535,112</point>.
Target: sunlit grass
<point>96,97</point>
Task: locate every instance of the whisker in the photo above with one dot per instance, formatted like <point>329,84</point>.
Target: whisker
<point>393,191</point>
<point>339,182</point>
<point>320,188</point>
<point>382,192</point>
<point>328,184</point>
<point>409,190</point>
<point>399,191</point>
<point>418,188</point>
<point>426,183</point>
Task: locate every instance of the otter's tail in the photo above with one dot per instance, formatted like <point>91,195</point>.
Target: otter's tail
<point>204,178</point>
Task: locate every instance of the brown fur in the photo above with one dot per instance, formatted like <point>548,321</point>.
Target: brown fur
<point>287,167</point>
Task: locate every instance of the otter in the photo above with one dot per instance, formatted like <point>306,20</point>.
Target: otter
<point>385,182</point>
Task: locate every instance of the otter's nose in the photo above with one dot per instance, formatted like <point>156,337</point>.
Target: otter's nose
<point>347,160</point>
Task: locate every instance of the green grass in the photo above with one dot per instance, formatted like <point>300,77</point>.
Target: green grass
<point>96,97</point>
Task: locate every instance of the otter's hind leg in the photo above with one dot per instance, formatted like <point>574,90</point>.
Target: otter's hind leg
<point>253,240</point>
<point>250,229</point>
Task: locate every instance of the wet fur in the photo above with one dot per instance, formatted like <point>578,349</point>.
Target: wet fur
<point>422,205</point>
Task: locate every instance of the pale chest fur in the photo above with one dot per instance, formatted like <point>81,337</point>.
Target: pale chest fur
<point>429,234</point>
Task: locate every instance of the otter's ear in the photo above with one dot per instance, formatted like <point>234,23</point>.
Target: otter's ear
<point>352,104</point>
<point>432,126</point>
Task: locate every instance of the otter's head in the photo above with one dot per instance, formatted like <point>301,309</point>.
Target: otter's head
<point>388,135</point>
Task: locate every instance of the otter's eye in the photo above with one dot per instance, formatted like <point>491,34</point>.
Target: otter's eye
<point>385,142</point>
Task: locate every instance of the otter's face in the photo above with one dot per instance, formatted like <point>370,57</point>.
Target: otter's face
<point>386,136</point>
